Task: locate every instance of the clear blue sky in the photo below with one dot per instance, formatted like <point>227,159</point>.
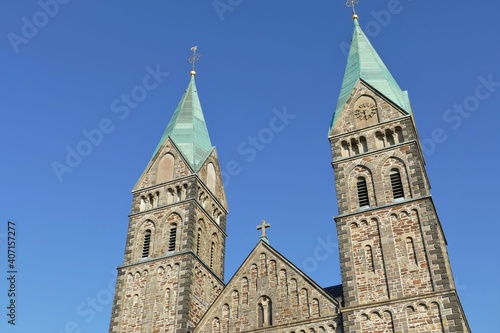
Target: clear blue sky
<point>61,79</point>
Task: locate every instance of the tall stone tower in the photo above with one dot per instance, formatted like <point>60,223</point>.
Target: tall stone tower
<point>396,275</point>
<point>173,265</point>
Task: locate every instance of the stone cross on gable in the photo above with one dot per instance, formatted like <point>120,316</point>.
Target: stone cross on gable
<point>263,225</point>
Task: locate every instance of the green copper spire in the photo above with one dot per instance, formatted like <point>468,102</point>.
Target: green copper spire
<point>364,63</point>
<point>188,129</point>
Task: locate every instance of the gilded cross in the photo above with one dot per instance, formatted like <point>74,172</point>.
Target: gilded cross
<point>263,225</point>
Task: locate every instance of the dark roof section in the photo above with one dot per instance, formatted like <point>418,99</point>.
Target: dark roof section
<point>336,292</point>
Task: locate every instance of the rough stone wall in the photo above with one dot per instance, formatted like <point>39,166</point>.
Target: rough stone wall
<point>172,286</point>
<point>438,313</point>
<point>392,250</point>
<point>399,268</point>
<point>378,165</point>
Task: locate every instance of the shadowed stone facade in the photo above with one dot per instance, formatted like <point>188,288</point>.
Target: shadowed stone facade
<point>396,275</point>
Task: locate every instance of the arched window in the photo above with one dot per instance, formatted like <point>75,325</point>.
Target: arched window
<point>345,149</point>
<point>380,142</point>
<point>146,243</point>
<point>354,146</point>
<point>264,312</point>
<point>410,249</point>
<point>369,258</point>
<point>399,134</point>
<point>362,192</point>
<point>389,137</point>
<point>172,238</point>
<point>396,184</point>
<point>363,144</point>
<point>142,205</point>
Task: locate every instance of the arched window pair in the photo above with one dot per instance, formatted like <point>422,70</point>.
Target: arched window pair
<point>396,186</point>
<point>146,241</point>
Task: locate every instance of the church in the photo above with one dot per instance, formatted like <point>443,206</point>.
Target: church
<point>396,275</point>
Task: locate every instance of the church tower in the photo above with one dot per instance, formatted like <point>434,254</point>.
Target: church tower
<point>396,275</point>
<point>173,266</point>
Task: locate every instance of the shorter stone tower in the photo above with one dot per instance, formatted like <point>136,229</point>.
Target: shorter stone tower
<point>173,267</point>
<point>396,275</point>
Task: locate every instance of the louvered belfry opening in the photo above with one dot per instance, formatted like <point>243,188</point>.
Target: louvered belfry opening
<point>171,240</point>
<point>362,192</point>
<point>146,244</point>
<point>397,185</point>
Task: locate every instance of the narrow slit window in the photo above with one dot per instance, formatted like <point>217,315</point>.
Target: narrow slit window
<point>369,258</point>
<point>198,242</point>
<point>362,192</point>
<point>397,185</point>
<point>172,238</point>
<point>146,243</point>
<point>212,250</point>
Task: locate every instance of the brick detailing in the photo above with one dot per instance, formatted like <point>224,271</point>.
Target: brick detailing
<point>368,261</point>
<point>286,297</point>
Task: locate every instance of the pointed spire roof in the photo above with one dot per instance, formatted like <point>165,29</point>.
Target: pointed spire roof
<point>364,63</point>
<point>188,129</point>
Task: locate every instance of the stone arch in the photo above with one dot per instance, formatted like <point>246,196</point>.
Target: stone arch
<point>315,308</point>
<point>146,227</point>
<point>211,179</point>
<point>355,191</point>
<point>225,318</point>
<point>304,303</point>
<point>235,303</point>
<point>390,165</point>
<point>165,168</point>
<point>345,149</point>
<point>172,232</point>
<point>264,312</point>
<point>398,134</point>
<point>244,290</point>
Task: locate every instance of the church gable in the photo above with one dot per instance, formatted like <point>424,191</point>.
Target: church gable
<point>269,292</point>
<point>166,165</point>
<point>365,107</point>
<point>211,175</point>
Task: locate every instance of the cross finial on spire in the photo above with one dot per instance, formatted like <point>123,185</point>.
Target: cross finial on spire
<point>352,4</point>
<point>263,225</point>
<point>193,59</point>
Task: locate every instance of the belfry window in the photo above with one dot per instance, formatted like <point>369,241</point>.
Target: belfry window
<point>146,243</point>
<point>172,238</point>
<point>396,184</point>
<point>362,192</point>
